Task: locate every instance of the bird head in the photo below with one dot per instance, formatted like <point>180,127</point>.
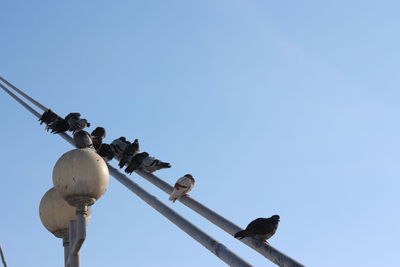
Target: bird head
<point>189,176</point>
<point>75,114</point>
<point>275,218</point>
<point>99,132</point>
<point>122,138</point>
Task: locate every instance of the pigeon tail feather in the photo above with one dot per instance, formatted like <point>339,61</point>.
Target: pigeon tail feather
<point>165,165</point>
<point>174,195</point>
<point>241,234</point>
<point>172,198</point>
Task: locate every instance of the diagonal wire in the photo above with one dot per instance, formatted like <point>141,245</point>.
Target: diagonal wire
<point>217,248</point>
<point>264,249</point>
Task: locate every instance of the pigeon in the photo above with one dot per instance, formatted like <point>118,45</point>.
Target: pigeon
<point>261,228</point>
<point>83,139</point>
<point>98,135</point>
<point>151,164</point>
<point>183,186</point>
<point>75,122</point>
<point>48,117</point>
<point>53,122</point>
<point>136,145</point>
<point>45,118</point>
<point>105,152</point>
<point>135,162</point>
<point>119,145</point>
<point>129,152</point>
<point>59,126</point>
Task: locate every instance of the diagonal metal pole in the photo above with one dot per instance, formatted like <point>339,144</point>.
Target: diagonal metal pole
<point>19,100</point>
<point>24,95</point>
<point>215,247</point>
<point>3,258</point>
<point>266,250</point>
<point>204,239</point>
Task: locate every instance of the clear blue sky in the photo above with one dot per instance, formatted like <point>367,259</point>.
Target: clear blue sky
<point>288,107</point>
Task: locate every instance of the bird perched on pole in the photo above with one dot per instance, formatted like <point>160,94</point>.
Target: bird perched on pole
<point>183,186</point>
<point>261,228</point>
<point>151,164</point>
<point>129,152</point>
<point>59,126</point>
<point>98,135</point>
<point>53,122</point>
<point>75,122</point>
<point>119,145</point>
<point>48,117</point>
<point>105,152</point>
<point>135,162</point>
<point>56,124</point>
<point>83,139</point>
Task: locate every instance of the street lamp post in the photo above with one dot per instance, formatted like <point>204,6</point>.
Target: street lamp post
<point>56,214</point>
<point>80,177</point>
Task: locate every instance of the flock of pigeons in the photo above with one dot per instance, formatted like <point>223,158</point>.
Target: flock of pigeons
<point>129,156</point>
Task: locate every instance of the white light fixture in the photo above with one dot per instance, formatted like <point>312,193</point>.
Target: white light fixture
<point>81,177</point>
<point>55,213</point>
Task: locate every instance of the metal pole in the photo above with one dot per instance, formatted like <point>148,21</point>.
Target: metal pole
<point>80,236</point>
<point>266,250</point>
<point>73,259</point>
<point>24,95</point>
<point>66,248</point>
<point>34,112</point>
<point>207,241</point>
<point>77,235</point>
<point>3,258</point>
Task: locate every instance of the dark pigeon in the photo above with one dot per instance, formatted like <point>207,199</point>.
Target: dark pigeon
<point>119,145</point>
<point>59,126</point>
<point>75,122</point>
<point>106,152</point>
<point>135,162</point>
<point>129,152</point>
<point>261,228</point>
<point>53,122</point>
<point>136,146</point>
<point>83,139</point>
<point>48,117</point>
<point>98,135</point>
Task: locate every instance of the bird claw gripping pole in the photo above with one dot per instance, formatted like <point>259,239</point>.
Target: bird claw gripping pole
<point>266,250</point>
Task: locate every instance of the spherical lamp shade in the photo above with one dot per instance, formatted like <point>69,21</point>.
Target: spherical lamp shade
<point>81,177</point>
<point>55,213</point>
